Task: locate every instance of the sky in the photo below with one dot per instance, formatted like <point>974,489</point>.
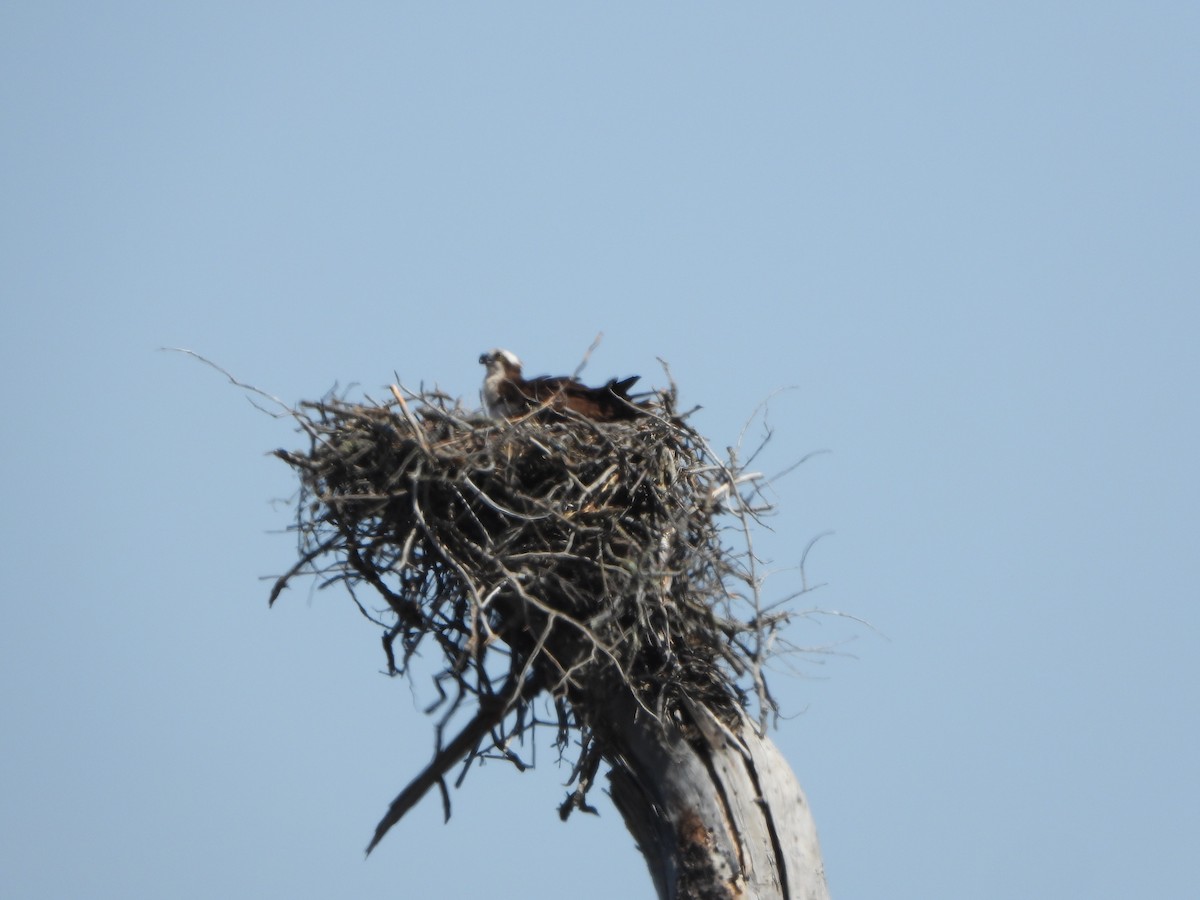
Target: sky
<point>954,245</point>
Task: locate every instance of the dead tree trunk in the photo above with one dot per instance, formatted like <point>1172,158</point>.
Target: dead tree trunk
<point>580,566</point>
<point>717,814</point>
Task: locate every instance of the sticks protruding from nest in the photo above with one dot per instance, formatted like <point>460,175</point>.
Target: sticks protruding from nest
<point>568,559</point>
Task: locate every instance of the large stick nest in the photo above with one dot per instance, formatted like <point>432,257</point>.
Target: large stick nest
<point>564,559</point>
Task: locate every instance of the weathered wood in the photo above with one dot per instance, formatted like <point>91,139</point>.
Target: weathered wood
<point>718,815</point>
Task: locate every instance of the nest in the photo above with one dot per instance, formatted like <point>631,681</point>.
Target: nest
<point>564,560</point>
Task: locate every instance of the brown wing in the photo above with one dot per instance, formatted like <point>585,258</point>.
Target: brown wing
<point>604,404</point>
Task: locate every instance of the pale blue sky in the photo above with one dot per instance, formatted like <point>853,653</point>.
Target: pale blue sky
<point>966,233</point>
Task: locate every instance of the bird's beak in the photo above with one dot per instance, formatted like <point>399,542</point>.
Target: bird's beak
<point>483,359</point>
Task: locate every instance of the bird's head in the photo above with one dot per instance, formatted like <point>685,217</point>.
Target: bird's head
<point>501,362</point>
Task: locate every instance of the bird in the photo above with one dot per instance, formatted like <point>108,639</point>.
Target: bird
<point>507,394</point>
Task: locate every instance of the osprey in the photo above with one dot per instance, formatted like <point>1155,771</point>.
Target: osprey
<point>507,394</point>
